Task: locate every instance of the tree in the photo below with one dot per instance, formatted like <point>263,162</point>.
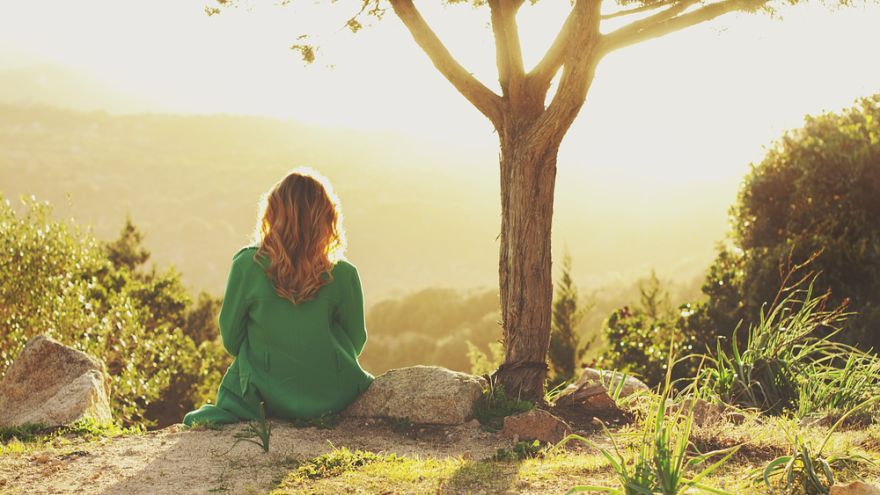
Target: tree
<point>654,298</point>
<point>127,251</point>
<point>530,131</point>
<point>565,343</point>
<point>816,194</point>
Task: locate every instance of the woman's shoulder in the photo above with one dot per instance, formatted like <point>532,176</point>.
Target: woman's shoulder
<point>245,257</point>
<point>249,249</point>
<point>344,268</point>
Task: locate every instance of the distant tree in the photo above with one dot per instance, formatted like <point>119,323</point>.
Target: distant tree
<point>817,192</point>
<point>654,298</point>
<point>565,342</point>
<point>531,123</point>
<point>127,251</point>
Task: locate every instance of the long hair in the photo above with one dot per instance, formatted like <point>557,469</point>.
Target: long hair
<point>299,230</point>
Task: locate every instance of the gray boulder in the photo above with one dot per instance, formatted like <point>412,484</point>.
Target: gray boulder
<point>421,395</point>
<point>52,384</point>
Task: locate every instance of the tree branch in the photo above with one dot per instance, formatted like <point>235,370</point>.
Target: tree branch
<point>579,60</point>
<point>484,99</point>
<point>668,21</point>
<point>507,47</point>
<point>543,73</point>
<point>637,10</point>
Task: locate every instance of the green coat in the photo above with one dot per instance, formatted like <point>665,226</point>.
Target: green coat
<point>301,360</point>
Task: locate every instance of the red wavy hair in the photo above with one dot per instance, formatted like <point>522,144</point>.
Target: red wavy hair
<point>299,230</point>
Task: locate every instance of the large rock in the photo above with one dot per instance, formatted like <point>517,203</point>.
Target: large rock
<point>611,380</point>
<point>52,384</point>
<point>420,394</point>
<point>854,488</point>
<point>536,424</point>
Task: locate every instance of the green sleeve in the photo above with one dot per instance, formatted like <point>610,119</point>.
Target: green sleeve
<point>234,311</point>
<point>351,312</point>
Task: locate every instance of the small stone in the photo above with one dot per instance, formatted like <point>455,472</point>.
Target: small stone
<point>854,488</point>
<point>536,424</point>
<point>421,395</point>
<point>706,413</point>
<point>611,380</point>
<point>52,384</point>
<point>591,398</point>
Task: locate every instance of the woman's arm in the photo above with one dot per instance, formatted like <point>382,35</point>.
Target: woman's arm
<point>351,311</point>
<point>233,312</point>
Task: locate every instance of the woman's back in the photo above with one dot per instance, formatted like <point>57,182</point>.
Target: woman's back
<point>293,312</point>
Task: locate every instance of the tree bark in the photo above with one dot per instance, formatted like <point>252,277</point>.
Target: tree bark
<point>527,185</point>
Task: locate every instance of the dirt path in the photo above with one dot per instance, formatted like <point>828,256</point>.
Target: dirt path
<point>177,461</point>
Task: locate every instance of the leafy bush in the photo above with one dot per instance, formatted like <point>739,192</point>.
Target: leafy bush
<point>58,280</point>
<point>816,191</point>
<point>640,338</point>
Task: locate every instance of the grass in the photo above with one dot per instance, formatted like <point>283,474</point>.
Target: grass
<point>808,470</point>
<point>664,461</point>
<point>790,364</point>
<point>494,405</point>
<point>520,450</point>
<point>344,471</point>
<point>31,437</point>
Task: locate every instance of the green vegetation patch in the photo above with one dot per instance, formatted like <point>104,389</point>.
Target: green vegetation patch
<point>31,437</point>
<point>494,405</point>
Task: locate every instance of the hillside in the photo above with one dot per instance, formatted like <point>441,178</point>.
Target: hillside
<point>418,213</point>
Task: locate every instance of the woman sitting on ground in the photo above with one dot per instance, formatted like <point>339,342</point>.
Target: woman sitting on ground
<point>293,313</point>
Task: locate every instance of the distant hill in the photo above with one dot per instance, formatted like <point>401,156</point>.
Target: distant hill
<point>418,213</point>
<point>57,86</point>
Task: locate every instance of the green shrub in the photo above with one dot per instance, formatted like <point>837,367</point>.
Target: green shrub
<point>640,338</point>
<point>60,281</point>
<point>816,191</point>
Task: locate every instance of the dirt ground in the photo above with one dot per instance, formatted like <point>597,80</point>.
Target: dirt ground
<point>179,461</point>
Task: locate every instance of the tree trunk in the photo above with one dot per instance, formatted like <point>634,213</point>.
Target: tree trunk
<point>527,183</point>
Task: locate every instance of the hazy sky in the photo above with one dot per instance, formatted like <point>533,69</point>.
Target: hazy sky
<point>693,108</point>
<point>695,105</point>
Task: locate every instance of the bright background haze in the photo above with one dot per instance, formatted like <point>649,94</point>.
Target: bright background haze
<point>645,175</point>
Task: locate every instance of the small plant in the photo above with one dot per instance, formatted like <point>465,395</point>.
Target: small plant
<point>664,458</point>
<point>260,430</point>
<point>494,405</point>
<point>552,394</point>
<point>520,451</point>
<point>805,470</point>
